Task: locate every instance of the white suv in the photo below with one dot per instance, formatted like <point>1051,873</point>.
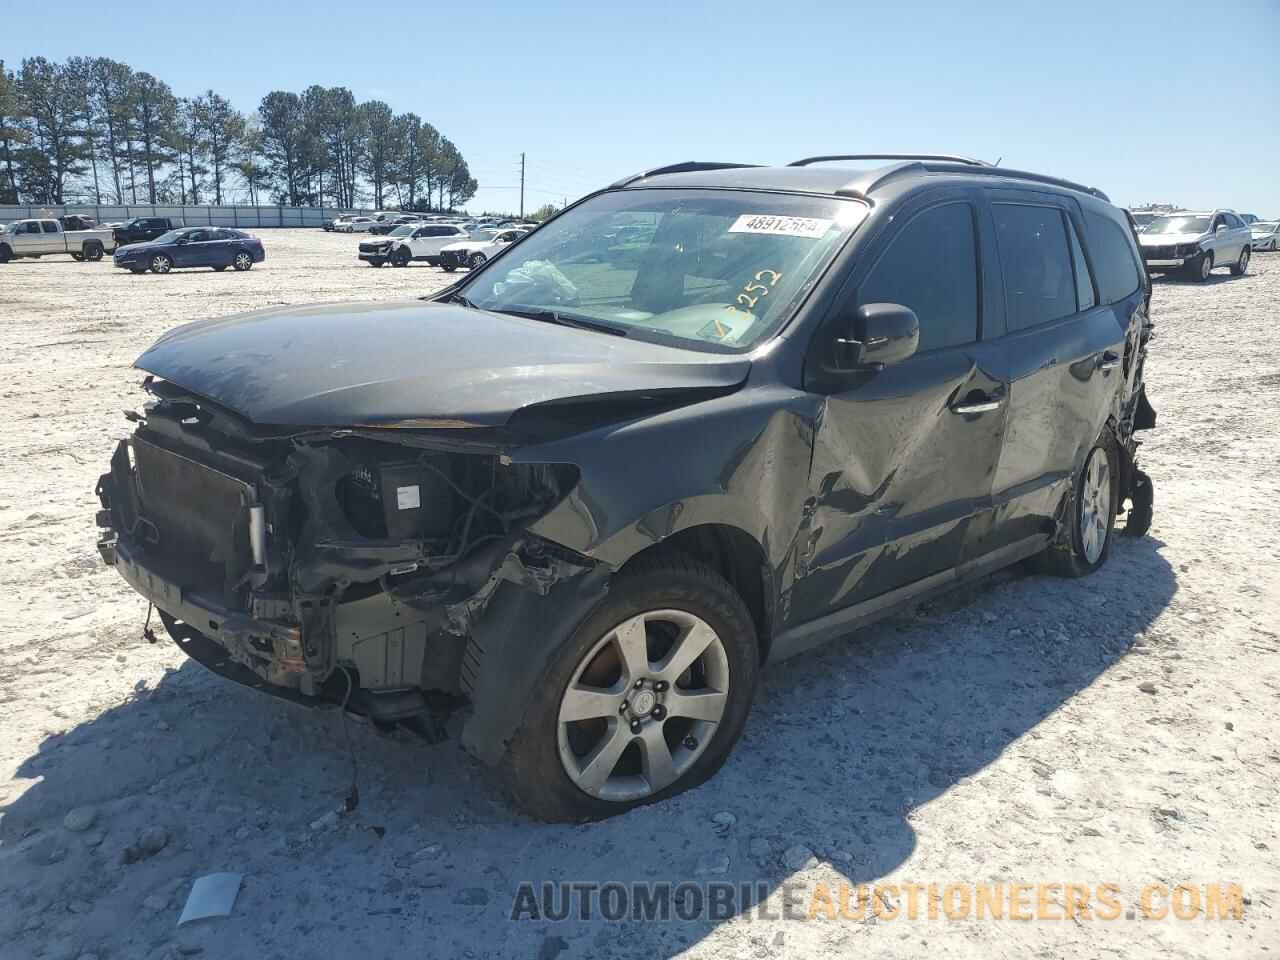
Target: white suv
<point>424,243</point>
<point>1197,243</point>
<point>477,250</point>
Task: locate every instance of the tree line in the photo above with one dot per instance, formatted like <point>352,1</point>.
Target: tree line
<point>95,130</point>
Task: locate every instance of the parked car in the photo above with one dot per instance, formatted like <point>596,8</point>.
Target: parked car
<point>39,238</point>
<point>1196,243</point>
<point>378,252</point>
<point>424,243</point>
<point>73,221</point>
<point>476,250</point>
<point>1265,235</point>
<point>597,499</point>
<point>216,247</point>
<point>142,229</point>
<point>353,225</point>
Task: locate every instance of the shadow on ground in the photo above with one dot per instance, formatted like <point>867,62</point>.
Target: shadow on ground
<point>841,747</point>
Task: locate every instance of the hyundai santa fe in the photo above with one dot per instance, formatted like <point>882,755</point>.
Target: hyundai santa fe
<point>700,421</point>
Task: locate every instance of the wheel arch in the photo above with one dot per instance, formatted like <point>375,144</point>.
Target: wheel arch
<point>738,557</point>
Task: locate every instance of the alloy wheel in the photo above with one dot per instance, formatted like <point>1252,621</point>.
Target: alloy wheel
<point>1206,265</point>
<point>642,705</point>
<point>161,264</point>
<point>1095,505</point>
<point>1244,259</point>
<point>243,261</point>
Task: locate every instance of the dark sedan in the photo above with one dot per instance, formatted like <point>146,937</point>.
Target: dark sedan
<point>216,247</point>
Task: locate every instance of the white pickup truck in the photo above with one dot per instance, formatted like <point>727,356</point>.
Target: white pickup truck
<point>40,238</point>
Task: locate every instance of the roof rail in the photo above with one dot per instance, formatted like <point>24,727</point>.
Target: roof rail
<point>1025,175</point>
<point>688,166</point>
<point>861,186</point>
<point>947,157</point>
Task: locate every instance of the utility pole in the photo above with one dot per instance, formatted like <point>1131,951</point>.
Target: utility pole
<point>522,186</point>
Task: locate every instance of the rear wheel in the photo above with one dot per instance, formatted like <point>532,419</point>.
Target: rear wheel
<point>161,263</point>
<point>1239,268</point>
<point>243,261</point>
<point>1086,544</point>
<point>93,252</point>
<point>645,700</point>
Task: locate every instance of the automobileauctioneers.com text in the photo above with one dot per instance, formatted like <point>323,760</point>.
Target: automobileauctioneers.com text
<point>720,900</point>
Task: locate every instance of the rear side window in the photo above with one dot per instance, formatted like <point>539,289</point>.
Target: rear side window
<point>1113,258</point>
<point>49,226</point>
<point>1039,282</point>
<point>931,266</point>
<point>1084,282</point>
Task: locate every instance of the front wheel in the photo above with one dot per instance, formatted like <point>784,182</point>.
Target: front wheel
<point>1200,268</point>
<point>402,258</point>
<point>477,261</point>
<point>161,263</point>
<point>1091,515</point>
<point>645,700</point>
<point>243,261</point>
<point>1239,268</point>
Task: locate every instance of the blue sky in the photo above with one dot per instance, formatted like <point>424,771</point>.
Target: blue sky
<point>1168,101</point>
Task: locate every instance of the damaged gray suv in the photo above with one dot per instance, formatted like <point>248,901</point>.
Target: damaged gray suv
<point>699,421</point>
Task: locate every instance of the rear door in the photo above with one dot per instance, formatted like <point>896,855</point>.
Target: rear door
<point>904,456</point>
<point>52,239</point>
<point>1063,348</point>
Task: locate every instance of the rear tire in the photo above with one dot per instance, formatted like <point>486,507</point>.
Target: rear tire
<point>1241,266</point>
<point>1084,546</point>
<point>93,252</point>
<point>669,585</point>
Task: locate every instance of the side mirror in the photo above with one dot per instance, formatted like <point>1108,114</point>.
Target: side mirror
<point>877,335</point>
<point>181,240</point>
<point>1220,228</point>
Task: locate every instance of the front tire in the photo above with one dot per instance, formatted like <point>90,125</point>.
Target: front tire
<point>1241,266</point>
<point>161,263</point>
<point>1091,515</point>
<point>1199,269</point>
<point>243,261</point>
<point>645,700</point>
<point>402,258</point>
<point>477,261</point>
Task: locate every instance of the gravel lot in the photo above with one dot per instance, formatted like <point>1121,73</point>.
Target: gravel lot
<point>1004,734</point>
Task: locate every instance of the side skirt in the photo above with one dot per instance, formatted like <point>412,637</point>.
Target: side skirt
<point>840,623</point>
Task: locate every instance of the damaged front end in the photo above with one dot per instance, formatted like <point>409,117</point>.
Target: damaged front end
<point>348,565</point>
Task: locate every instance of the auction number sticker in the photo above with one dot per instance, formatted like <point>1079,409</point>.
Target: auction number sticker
<point>811,227</point>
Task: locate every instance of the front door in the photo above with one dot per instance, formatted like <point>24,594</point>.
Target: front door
<point>904,457</point>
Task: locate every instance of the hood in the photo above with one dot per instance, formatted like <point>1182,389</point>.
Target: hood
<point>356,364</point>
<point>1168,239</point>
<point>466,245</point>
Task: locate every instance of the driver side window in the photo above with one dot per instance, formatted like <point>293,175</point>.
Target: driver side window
<point>931,266</point>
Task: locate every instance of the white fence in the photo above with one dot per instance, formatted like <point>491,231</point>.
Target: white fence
<point>190,216</point>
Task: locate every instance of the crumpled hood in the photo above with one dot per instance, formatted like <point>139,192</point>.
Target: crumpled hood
<point>350,364</point>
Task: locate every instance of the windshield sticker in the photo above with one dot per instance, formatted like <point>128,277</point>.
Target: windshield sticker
<point>810,227</point>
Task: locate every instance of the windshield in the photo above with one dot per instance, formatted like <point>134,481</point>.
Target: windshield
<point>404,231</point>
<point>1178,225</point>
<point>1265,226</point>
<point>713,269</point>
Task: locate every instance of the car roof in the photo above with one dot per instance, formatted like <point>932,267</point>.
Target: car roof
<point>815,176</point>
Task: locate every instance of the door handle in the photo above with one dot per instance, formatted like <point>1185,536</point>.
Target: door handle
<point>1108,361</point>
<point>983,404</point>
